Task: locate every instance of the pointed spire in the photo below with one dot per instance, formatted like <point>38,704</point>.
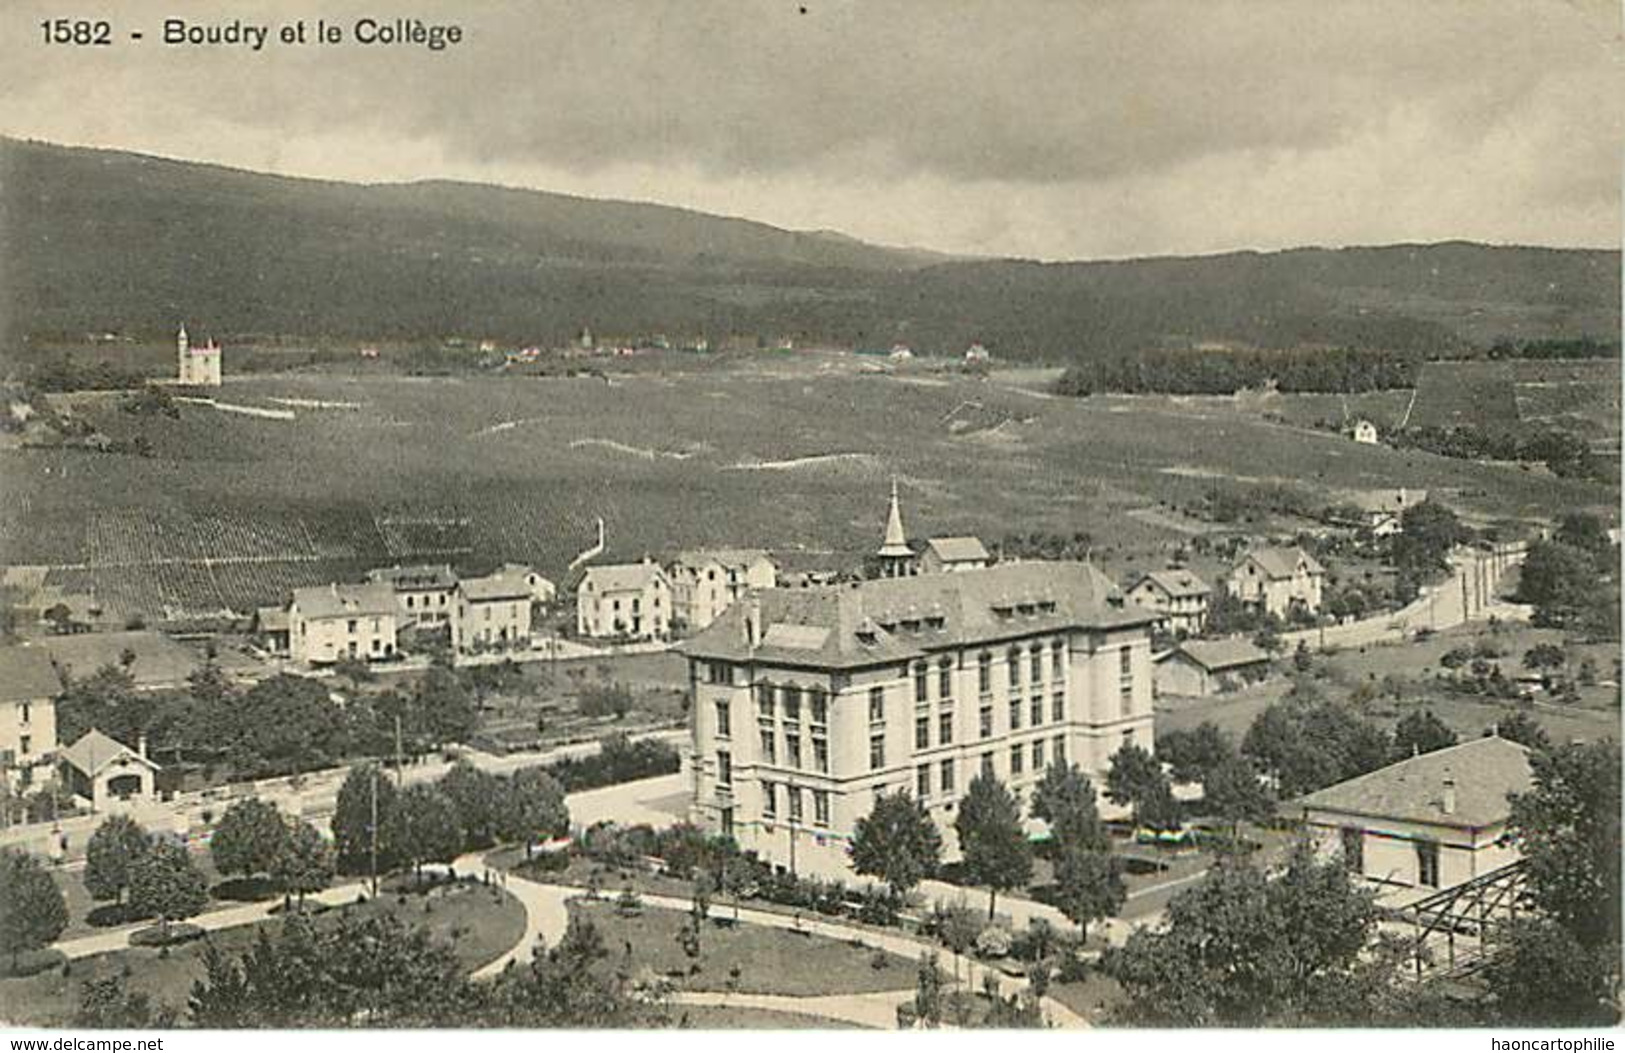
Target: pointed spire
<point>895,543</point>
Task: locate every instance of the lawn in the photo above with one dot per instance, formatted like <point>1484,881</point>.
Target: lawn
<point>481,923</point>
<point>544,704</point>
<point>767,960</point>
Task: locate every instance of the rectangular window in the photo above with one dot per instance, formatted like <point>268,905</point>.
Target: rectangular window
<point>1018,760</point>
<point>770,752</point>
<point>1427,863</point>
<point>770,800</point>
<point>1038,755</point>
<point>820,754</point>
<point>724,724</point>
<point>1057,706</point>
<point>25,744</point>
<point>945,729</point>
<point>1037,659</point>
<point>1060,749</point>
<point>1353,849</point>
<point>877,705</point>
<point>984,673</point>
<point>922,781</point>
<point>725,768</point>
<point>1037,706</point>
<point>792,704</point>
<point>1015,714</point>
<point>1125,698</point>
<point>764,701</point>
<point>1125,662</point>
<point>1057,660</point>
<point>922,682</point>
<point>877,752</point>
<point>820,708</point>
<point>987,721</point>
<point>793,795</point>
<point>922,733</point>
<point>1012,668</point>
<point>27,709</point>
<point>945,679</point>
<point>945,774</point>
<point>820,807</point>
<point>792,748</point>
<point>987,765</point>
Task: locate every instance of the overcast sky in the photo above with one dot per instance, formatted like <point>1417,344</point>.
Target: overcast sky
<point>1054,130</point>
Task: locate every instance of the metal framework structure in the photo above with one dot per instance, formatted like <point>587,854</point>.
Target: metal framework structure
<point>1452,930</point>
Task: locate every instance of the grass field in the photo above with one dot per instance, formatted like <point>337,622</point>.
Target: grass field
<point>794,458</point>
<point>480,923</point>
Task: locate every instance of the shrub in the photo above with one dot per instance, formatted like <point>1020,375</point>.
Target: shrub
<point>994,942</point>
<point>154,936</point>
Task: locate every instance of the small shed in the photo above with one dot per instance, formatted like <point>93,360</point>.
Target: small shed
<point>106,772</point>
<point>1202,667</point>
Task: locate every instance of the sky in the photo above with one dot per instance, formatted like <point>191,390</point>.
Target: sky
<point>1066,130</point>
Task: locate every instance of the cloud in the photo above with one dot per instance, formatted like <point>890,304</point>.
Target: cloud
<point>1116,128</point>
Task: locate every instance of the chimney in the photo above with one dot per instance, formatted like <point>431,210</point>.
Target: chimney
<point>753,622</point>
<point>1449,803</point>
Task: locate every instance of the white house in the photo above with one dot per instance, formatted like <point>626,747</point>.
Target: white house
<point>706,582</point>
<point>950,555</point>
<point>1365,433</point>
<point>29,685</point>
<point>107,773</point>
<point>423,594</point>
<point>1178,595</point>
<point>1278,580</point>
<point>624,601</point>
<point>1203,667</point>
<point>1431,821</point>
<point>330,622</point>
<point>493,612</point>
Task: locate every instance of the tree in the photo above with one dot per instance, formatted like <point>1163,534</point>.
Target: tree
<point>477,796</point>
<point>1558,580</point>
<point>581,945</point>
<point>1088,886</point>
<point>107,1003</point>
<point>1243,949</point>
<point>285,724</point>
<point>1421,732</point>
<point>532,807</point>
<point>112,852</point>
<point>1065,799</point>
<point>166,884</point>
<point>1233,793</point>
<point>1518,726</point>
<point>425,827</point>
<point>442,709</point>
<point>1586,532</point>
<point>1308,742</point>
<point>995,849</point>
<point>1543,658</point>
<point>32,910</point>
<point>305,861</point>
<point>1135,779</point>
<point>353,830</point>
<point>1192,753</point>
<point>1428,532</point>
<point>1568,826</point>
<point>1541,976</point>
<point>248,838</point>
<point>896,842</point>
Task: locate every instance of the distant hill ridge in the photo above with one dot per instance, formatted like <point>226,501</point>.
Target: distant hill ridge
<point>100,240</point>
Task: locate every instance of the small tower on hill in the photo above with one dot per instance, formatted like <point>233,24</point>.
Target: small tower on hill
<point>895,557</point>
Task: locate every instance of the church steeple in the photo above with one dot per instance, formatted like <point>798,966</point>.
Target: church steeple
<point>896,558</point>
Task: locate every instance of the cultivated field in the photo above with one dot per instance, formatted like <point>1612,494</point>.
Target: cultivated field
<point>794,454</point>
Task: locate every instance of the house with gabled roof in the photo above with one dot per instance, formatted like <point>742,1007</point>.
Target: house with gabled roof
<point>706,582</point>
<point>1204,667</point>
<point>1177,594</point>
<point>949,555</point>
<point>330,622</point>
<point>809,703</point>
<point>1427,822</point>
<point>422,593</point>
<point>1278,580</point>
<point>106,772</point>
<point>493,612</point>
<point>29,684</point>
<point>628,601</point>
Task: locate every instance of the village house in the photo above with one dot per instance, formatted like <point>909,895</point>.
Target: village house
<point>1381,510</point>
<point>1278,580</point>
<point>106,773</point>
<point>948,555</point>
<point>1428,822</point>
<point>1178,595</point>
<point>1364,433</point>
<point>808,704</point>
<point>706,582</point>
<point>624,601</point>
<point>1203,667</point>
<point>542,590</point>
<point>493,612</point>
<point>29,685</point>
<point>330,622</point>
<point>423,594</point>
<point>197,366</point>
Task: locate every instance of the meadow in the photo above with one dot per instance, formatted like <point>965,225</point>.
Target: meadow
<point>794,454</point>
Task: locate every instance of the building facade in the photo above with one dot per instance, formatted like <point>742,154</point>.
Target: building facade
<point>423,595</point>
<point>706,582</point>
<point>949,555</point>
<point>29,685</point>
<point>330,622</point>
<point>197,366</point>
<point>629,601</point>
<point>1278,580</point>
<point>1428,822</point>
<point>809,703</point>
<point>1203,667</point>
<point>1178,596</point>
<point>492,613</point>
<point>106,773</point>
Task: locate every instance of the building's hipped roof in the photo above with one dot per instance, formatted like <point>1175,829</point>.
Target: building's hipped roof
<point>95,751</point>
<point>343,601</point>
<point>1218,655</point>
<point>622,577</point>
<point>1484,771</point>
<point>1177,583</point>
<point>727,557</point>
<point>1283,562</point>
<point>892,619</point>
<point>958,549</point>
<point>429,576</point>
<point>503,585</point>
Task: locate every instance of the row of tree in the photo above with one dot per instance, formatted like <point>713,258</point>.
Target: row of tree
<point>1192,372</point>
